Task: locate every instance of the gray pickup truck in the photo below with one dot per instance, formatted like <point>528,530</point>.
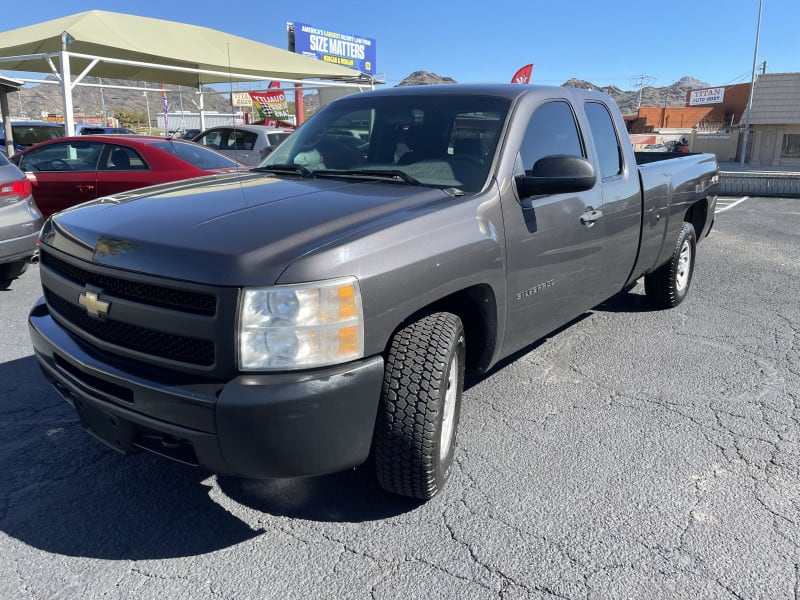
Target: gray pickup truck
<point>292,320</point>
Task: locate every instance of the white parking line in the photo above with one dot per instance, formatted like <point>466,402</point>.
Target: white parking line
<point>731,205</point>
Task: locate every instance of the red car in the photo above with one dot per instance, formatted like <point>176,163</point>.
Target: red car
<point>70,170</point>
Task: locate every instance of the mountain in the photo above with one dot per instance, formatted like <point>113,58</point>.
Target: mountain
<point>424,78</point>
<point>628,101</point>
<point>36,101</point>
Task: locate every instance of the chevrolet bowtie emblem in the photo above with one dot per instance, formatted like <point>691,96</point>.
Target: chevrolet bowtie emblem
<point>94,306</point>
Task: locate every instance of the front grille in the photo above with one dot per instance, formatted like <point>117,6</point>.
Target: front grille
<point>154,295</point>
<point>132,337</point>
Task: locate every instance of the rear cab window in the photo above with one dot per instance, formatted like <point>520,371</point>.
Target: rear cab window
<point>606,141</point>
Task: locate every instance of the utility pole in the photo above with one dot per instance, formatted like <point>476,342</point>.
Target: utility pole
<point>752,86</point>
<point>640,81</point>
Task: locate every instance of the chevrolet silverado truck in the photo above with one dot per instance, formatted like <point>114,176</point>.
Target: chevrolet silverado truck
<point>322,308</point>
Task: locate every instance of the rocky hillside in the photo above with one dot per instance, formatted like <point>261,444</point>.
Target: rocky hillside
<point>673,95</point>
<point>425,78</point>
<point>35,101</point>
<point>628,101</point>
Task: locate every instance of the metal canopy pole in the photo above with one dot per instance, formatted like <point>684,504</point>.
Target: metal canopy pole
<point>66,84</point>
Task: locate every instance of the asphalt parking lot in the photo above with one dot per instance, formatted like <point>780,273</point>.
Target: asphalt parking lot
<point>633,454</point>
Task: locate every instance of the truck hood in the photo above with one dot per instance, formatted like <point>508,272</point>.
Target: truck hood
<point>238,229</point>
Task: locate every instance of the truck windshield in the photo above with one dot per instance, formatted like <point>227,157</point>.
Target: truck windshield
<point>436,140</point>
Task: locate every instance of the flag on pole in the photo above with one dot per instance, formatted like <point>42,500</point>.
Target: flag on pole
<point>523,75</point>
<point>165,106</point>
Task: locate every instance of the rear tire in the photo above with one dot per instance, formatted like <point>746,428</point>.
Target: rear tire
<point>415,433</point>
<point>667,286</point>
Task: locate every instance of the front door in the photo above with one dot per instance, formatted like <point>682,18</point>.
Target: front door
<point>554,242</point>
<point>62,174</point>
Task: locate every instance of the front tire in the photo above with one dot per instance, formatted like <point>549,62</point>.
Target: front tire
<point>667,286</point>
<point>418,416</point>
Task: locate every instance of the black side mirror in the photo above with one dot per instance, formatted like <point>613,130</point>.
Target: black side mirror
<point>557,174</point>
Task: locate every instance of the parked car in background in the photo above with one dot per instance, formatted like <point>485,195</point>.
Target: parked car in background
<point>28,133</point>
<point>96,130</point>
<point>20,222</point>
<point>72,170</point>
<point>248,144</point>
<point>184,134</point>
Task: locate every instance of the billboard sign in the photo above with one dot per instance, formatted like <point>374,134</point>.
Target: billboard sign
<point>351,51</point>
<point>706,96</point>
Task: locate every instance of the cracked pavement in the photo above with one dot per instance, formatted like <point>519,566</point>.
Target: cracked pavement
<point>633,454</point>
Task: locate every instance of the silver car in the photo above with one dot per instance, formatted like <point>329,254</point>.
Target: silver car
<point>20,222</point>
<point>248,144</point>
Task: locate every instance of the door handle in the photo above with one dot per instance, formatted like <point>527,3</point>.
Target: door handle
<point>84,187</point>
<point>590,216</point>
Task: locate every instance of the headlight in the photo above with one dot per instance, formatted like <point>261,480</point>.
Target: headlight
<point>301,326</point>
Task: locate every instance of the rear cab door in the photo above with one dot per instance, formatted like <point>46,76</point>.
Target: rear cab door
<point>621,192</point>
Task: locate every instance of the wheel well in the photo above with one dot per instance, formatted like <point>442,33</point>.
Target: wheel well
<point>697,216</point>
<point>477,308</point>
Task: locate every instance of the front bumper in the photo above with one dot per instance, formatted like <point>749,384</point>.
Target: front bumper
<point>255,425</point>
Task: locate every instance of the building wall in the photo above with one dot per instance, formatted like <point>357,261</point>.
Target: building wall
<point>775,121</point>
<point>677,118</point>
<point>771,147</point>
<point>723,145</point>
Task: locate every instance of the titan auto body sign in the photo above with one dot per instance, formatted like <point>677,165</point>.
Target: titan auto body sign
<point>706,96</point>
<point>338,48</point>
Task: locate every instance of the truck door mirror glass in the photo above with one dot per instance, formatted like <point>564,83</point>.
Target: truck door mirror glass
<point>556,175</point>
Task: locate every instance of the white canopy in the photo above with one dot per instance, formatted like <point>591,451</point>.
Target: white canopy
<point>120,46</point>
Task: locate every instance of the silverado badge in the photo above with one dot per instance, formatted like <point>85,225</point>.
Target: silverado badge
<point>94,306</point>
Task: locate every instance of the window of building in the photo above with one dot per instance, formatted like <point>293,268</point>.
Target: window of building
<point>791,145</point>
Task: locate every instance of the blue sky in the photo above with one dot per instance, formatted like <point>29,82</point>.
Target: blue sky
<point>608,43</point>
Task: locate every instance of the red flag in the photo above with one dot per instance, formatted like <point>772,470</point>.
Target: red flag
<point>274,84</point>
<point>523,75</point>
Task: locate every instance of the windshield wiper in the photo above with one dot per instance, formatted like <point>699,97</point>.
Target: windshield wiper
<point>392,174</point>
<point>286,168</point>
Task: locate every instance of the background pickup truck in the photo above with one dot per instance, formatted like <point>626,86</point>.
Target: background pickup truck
<point>291,320</point>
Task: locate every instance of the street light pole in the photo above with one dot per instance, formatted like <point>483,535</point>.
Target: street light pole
<point>752,86</point>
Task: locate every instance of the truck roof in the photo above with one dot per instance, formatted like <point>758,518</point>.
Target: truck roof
<point>504,90</point>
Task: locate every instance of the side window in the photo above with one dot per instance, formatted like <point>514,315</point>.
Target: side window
<point>241,140</point>
<point>122,158</point>
<point>67,156</point>
<point>606,142</point>
<point>213,139</point>
<point>551,130</point>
